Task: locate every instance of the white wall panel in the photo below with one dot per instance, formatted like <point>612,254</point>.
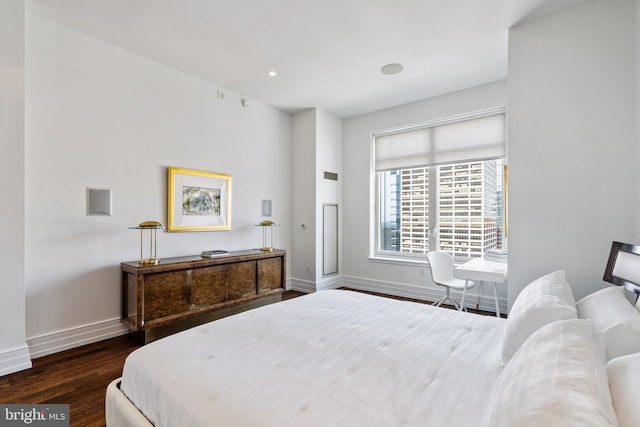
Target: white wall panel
<point>571,113</point>
<point>101,117</point>
<point>13,351</point>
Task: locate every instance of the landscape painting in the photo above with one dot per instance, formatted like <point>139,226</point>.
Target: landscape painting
<point>200,201</point>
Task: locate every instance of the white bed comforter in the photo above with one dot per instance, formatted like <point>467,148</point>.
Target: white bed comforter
<point>333,358</point>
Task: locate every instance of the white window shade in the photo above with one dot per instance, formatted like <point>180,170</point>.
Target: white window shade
<point>478,138</point>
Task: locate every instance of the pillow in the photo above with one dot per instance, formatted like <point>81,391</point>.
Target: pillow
<point>555,379</point>
<point>624,383</point>
<point>615,322</point>
<point>543,301</point>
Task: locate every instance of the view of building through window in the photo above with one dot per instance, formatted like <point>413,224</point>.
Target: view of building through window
<point>456,208</point>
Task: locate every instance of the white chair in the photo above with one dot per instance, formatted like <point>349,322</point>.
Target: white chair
<point>441,266</point>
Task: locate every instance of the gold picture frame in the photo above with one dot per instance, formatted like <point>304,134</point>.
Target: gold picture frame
<point>198,200</point>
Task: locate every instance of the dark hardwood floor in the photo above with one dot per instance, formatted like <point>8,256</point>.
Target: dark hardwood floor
<point>78,377</point>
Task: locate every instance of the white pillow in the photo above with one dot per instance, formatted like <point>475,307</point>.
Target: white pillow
<point>616,323</point>
<point>555,379</point>
<point>543,301</point>
<point>624,383</point>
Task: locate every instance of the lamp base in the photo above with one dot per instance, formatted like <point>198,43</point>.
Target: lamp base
<point>150,261</point>
<point>266,249</point>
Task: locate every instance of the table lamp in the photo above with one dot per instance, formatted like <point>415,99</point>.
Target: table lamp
<point>152,227</point>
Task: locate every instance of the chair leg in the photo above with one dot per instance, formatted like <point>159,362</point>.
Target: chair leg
<point>455,304</point>
<point>446,297</point>
<point>439,302</point>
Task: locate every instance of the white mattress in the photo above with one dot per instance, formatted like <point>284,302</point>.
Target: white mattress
<point>333,358</point>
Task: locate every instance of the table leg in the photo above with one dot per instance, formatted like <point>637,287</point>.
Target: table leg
<point>495,296</point>
<point>464,293</point>
<point>479,293</point>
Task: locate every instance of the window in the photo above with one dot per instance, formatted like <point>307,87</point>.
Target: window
<point>440,186</point>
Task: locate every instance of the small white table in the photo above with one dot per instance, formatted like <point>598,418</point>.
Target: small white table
<point>484,270</point>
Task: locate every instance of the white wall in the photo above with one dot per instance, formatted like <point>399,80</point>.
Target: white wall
<point>14,354</point>
<point>329,159</point>
<point>317,147</point>
<point>358,270</point>
<point>636,116</point>
<point>98,116</point>
<point>573,186</point>
<point>303,259</point>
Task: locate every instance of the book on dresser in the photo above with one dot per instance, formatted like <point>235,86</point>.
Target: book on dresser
<point>214,253</point>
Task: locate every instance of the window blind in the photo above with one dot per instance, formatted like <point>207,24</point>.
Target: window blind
<point>476,138</point>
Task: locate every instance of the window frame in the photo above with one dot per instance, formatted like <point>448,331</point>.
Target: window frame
<point>381,255</point>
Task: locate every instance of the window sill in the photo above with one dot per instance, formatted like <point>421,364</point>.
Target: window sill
<point>417,262</point>
<point>399,261</point>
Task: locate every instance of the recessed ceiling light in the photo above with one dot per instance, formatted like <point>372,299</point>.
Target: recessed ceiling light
<point>390,69</point>
<point>272,73</point>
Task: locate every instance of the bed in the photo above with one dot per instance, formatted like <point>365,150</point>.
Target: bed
<point>344,358</point>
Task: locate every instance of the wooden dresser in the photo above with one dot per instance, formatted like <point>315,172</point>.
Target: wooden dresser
<point>181,292</point>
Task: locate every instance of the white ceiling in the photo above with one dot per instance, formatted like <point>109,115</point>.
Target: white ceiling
<point>328,53</point>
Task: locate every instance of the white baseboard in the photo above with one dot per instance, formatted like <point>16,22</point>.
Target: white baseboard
<point>487,302</point>
<point>391,288</point>
<point>14,360</point>
<point>301,285</point>
<point>71,338</point>
<point>330,282</point>
<point>423,293</point>
<point>287,284</point>
<point>308,286</point>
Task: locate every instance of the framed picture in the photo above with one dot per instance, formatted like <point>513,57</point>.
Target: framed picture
<point>198,200</point>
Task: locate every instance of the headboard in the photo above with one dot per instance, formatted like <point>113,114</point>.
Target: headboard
<point>623,266</point>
